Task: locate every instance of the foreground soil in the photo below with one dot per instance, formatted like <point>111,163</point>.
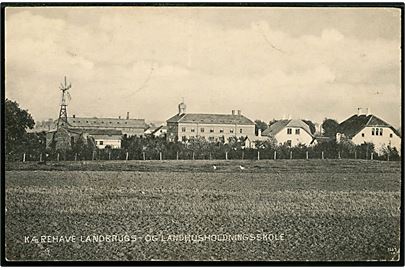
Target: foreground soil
<point>317,210</point>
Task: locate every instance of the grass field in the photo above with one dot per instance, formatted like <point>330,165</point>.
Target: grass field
<point>318,210</point>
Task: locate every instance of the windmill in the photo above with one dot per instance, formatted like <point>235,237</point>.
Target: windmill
<point>62,120</point>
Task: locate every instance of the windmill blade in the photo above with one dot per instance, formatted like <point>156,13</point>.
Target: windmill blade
<point>68,96</point>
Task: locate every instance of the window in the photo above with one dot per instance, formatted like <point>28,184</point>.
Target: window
<point>202,129</point>
<point>183,138</point>
<point>87,121</point>
<point>211,138</point>
<point>289,143</point>
<point>297,131</point>
<point>381,131</point>
<point>289,130</point>
<point>372,131</point>
<point>192,130</point>
<point>221,130</point>
<point>231,130</point>
<point>391,135</point>
<point>183,129</point>
<point>241,131</point>
<point>101,142</point>
<point>362,134</point>
<point>211,130</point>
<point>74,121</point>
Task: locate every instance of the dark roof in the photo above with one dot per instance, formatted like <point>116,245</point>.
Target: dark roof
<point>91,132</point>
<point>210,119</point>
<point>102,131</point>
<point>158,128</point>
<point>279,125</point>
<point>106,122</point>
<point>354,124</point>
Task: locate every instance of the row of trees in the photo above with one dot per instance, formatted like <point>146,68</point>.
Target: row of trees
<point>33,146</point>
<point>151,148</point>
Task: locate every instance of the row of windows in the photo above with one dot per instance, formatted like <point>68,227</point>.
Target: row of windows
<point>210,138</point>
<point>377,131</point>
<point>202,130</point>
<point>297,131</point>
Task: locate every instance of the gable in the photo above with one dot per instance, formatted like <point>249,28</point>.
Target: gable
<point>278,126</point>
<point>356,123</point>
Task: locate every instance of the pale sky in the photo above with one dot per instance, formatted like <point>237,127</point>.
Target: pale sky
<point>269,62</point>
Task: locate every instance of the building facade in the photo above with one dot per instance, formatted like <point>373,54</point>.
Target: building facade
<point>367,128</point>
<point>129,127</point>
<point>291,132</point>
<point>211,127</point>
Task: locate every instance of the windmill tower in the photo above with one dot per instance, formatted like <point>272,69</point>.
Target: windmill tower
<point>62,119</point>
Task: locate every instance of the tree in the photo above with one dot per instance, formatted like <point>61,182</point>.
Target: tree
<point>273,121</point>
<point>330,128</point>
<point>311,125</point>
<point>17,121</point>
<point>260,125</point>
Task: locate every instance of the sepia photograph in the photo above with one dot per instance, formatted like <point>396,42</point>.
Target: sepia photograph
<point>214,134</point>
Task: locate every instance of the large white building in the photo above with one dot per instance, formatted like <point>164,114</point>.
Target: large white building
<point>367,128</point>
<point>212,127</point>
<point>291,132</point>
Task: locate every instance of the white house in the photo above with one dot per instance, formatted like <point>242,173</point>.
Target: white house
<point>110,137</point>
<point>290,132</point>
<point>367,128</point>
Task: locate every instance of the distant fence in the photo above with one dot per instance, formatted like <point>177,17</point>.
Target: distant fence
<point>247,154</point>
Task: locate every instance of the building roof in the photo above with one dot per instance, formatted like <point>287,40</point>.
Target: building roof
<point>281,124</point>
<point>106,122</point>
<point>354,124</point>
<point>162,127</point>
<point>107,132</point>
<point>202,118</point>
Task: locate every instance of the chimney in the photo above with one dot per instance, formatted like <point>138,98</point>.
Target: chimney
<point>233,112</point>
<point>74,116</point>
<point>119,117</point>
<point>259,132</point>
<point>127,115</point>
<point>239,112</point>
<point>361,111</point>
